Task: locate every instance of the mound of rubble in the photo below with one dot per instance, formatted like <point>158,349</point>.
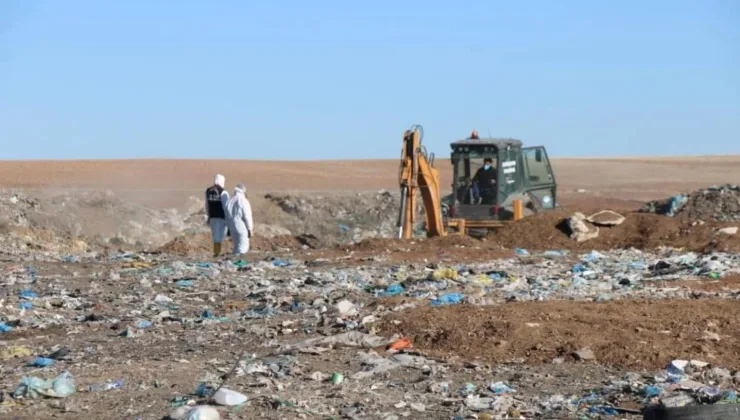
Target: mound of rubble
<point>719,203</point>
<point>97,217</point>
<point>346,218</point>
<point>549,230</point>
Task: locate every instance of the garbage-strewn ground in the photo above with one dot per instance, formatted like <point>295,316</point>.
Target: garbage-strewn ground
<point>122,303</point>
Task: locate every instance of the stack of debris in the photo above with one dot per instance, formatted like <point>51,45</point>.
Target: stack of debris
<point>720,203</point>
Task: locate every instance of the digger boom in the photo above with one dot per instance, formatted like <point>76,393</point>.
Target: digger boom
<point>417,174</point>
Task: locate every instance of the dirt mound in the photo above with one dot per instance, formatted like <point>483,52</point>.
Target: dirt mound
<point>632,334</point>
<point>720,203</point>
<point>377,244</point>
<point>342,218</point>
<point>639,230</point>
<point>18,240</point>
<point>201,245</point>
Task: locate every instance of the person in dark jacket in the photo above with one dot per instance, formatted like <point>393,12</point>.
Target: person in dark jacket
<point>216,197</point>
<point>485,177</point>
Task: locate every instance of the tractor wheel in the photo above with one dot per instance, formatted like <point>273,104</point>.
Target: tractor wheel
<point>477,233</point>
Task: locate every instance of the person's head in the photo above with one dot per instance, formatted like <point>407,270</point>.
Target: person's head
<point>220,180</point>
<point>487,163</point>
<point>240,189</point>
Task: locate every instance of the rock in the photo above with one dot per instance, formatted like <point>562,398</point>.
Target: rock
<point>736,378</point>
<point>710,336</point>
<point>679,364</point>
<point>720,376</point>
<point>677,400</point>
<point>606,218</point>
<point>698,364</point>
<point>179,413</point>
<point>228,397</point>
<point>580,230</point>
<point>728,230</point>
<point>584,354</point>
<point>203,412</point>
<point>439,387</point>
<point>417,407</point>
<point>319,376</point>
<point>347,308</point>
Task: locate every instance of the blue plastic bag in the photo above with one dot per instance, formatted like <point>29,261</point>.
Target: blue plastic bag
<point>392,290</point>
<point>448,299</point>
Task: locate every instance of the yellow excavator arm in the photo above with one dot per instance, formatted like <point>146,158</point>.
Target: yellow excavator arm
<point>418,174</point>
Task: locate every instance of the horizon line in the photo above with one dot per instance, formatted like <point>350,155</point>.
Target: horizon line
<point>325,160</point>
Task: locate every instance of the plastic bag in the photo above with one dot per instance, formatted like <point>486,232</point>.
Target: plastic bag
<point>60,387</point>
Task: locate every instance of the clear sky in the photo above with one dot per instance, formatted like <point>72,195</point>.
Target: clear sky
<point>343,79</point>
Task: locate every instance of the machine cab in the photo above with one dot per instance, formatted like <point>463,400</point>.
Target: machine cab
<point>489,173</point>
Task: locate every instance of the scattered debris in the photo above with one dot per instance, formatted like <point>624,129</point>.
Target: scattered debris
<point>451,327</point>
<point>606,218</point>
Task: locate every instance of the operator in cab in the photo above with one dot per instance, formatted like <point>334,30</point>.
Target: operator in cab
<point>485,178</point>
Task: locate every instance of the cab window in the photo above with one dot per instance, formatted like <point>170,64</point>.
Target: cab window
<point>537,166</point>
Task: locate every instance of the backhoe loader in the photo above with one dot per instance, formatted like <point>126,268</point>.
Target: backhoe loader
<point>522,184</point>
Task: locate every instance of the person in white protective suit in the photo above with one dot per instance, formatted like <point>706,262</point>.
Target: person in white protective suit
<point>239,220</point>
<point>216,198</point>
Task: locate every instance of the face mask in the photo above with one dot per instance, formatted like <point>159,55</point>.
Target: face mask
<point>486,167</point>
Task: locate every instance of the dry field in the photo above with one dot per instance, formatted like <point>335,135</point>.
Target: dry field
<point>168,182</point>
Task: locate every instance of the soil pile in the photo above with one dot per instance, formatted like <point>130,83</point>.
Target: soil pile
<point>98,217</point>
<point>640,230</point>
<point>720,203</point>
<point>344,218</point>
<point>633,334</point>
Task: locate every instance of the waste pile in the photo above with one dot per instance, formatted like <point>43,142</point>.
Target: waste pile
<point>98,218</point>
<point>346,218</point>
<point>102,219</point>
<point>140,335</point>
<point>720,203</point>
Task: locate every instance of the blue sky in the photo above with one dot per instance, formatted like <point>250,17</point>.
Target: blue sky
<point>341,79</point>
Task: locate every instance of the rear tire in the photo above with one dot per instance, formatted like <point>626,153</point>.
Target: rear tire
<point>477,233</point>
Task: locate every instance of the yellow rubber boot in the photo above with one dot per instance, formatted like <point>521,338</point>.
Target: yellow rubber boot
<point>216,250</point>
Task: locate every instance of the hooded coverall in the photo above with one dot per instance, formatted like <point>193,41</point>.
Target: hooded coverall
<point>239,220</point>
